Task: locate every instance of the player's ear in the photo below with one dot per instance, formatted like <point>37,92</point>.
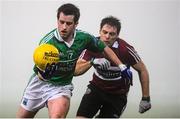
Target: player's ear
<point>58,22</point>
<point>76,24</point>
<point>99,31</point>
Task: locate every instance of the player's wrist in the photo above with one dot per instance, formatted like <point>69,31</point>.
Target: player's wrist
<point>92,61</point>
<point>146,98</point>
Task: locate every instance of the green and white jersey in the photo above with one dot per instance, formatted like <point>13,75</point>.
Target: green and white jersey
<point>70,52</point>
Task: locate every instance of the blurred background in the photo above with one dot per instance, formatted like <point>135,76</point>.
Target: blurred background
<point>151,26</point>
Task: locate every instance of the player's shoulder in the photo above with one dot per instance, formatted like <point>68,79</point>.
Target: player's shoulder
<point>124,43</point>
<point>50,35</point>
<point>94,54</point>
<point>79,31</point>
<point>123,46</point>
<point>82,34</point>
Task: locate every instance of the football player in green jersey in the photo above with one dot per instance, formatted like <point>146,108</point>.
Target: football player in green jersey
<point>53,87</point>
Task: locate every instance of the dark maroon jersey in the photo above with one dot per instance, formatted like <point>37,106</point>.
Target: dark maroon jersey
<point>110,80</point>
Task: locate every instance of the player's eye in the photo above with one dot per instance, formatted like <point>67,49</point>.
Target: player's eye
<point>112,33</point>
<point>104,32</point>
<point>69,23</point>
<point>61,22</point>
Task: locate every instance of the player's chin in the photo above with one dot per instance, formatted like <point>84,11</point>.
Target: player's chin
<point>64,35</point>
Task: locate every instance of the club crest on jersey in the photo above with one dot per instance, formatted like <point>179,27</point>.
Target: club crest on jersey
<point>61,54</point>
<point>70,54</point>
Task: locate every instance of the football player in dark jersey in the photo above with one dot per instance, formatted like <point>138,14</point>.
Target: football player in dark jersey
<point>107,91</point>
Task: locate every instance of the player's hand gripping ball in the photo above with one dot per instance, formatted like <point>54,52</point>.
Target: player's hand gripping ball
<point>45,54</point>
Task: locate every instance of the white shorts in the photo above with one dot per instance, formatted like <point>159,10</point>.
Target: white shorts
<point>38,92</point>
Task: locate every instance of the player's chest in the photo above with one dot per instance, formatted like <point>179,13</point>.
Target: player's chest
<point>70,53</point>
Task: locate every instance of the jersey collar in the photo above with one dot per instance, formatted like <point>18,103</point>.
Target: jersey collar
<point>115,44</point>
<point>58,36</point>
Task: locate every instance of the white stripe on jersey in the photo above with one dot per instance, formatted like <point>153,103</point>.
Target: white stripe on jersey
<point>107,79</point>
<point>113,68</point>
<point>47,38</point>
<point>82,54</point>
<point>133,54</point>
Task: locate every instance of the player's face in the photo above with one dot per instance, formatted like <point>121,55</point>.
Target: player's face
<point>66,25</point>
<point>108,34</point>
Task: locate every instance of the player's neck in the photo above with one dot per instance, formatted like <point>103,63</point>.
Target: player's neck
<point>68,39</point>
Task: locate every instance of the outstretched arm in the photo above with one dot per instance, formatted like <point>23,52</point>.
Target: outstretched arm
<point>145,103</point>
<point>144,78</point>
<point>82,65</point>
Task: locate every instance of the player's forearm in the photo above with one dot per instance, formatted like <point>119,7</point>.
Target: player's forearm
<point>81,67</point>
<point>144,77</point>
<point>112,56</point>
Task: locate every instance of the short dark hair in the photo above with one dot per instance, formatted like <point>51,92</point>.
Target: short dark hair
<point>112,21</point>
<point>69,9</point>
